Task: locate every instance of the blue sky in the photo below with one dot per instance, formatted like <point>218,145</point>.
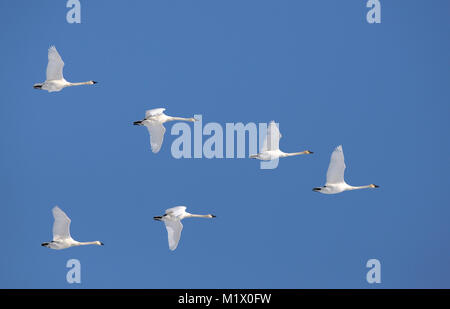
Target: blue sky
<point>316,67</point>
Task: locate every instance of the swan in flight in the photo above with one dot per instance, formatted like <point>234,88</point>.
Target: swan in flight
<point>55,80</point>
<point>61,233</point>
<point>172,219</point>
<point>154,119</point>
<point>335,175</point>
<point>271,149</point>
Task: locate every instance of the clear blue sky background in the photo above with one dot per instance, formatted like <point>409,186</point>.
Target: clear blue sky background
<point>316,67</point>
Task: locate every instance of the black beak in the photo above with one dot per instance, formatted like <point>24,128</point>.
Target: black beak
<point>213,216</point>
<point>376,186</point>
<point>158,218</point>
<point>102,244</point>
<point>317,189</point>
<point>94,82</point>
<point>37,86</point>
<point>137,123</point>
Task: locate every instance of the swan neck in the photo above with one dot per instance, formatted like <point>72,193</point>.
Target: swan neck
<point>294,154</point>
<point>181,118</point>
<point>358,187</point>
<point>81,83</point>
<point>198,216</point>
<point>87,243</point>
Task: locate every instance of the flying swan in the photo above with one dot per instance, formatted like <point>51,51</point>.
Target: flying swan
<point>55,80</point>
<point>335,175</point>
<point>61,233</point>
<point>154,119</point>
<point>271,149</point>
<point>172,219</point>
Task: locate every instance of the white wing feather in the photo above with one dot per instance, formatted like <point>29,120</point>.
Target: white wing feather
<point>61,225</point>
<point>335,173</point>
<point>55,64</point>
<point>176,211</point>
<point>156,131</point>
<point>154,112</point>
<point>272,141</point>
<point>174,228</point>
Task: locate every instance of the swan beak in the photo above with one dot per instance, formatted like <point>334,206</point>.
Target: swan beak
<point>316,189</point>
<point>253,156</point>
<point>94,82</point>
<point>158,218</point>
<point>213,216</point>
<point>37,86</point>
<point>309,152</point>
<point>375,186</point>
<point>137,123</point>
<point>102,244</point>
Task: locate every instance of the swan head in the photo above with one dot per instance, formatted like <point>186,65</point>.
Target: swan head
<point>99,243</point>
<point>37,86</point>
<point>93,82</point>
<point>374,186</point>
<point>211,216</point>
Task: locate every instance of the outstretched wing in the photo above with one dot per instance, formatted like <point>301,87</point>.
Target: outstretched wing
<point>154,112</point>
<point>156,131</point>
<point>55,64</point>
<point>176,211</point>
<point>61,225</point>
<point>174,228</point>
<point>272,141</point>
<point>335,173</point>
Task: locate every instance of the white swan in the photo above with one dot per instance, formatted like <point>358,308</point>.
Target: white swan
<point>172,219</point>
<point>154,119</point>
<point>271,149</point>
<point>61,233</point>
<point>335,175</point>
<point>55,80</point>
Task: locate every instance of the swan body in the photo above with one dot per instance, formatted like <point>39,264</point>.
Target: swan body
<point>335,175</point>
<point>61,233</point>
<point>270,149</point>
<point>172,220</point>
<point>154,119</point>
<point>55,80</point>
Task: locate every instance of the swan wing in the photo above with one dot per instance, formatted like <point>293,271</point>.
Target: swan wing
<point>176,211</point>
<point>174,228</point>
<point>156,131</point>
<point>154,112</point>
<point>61,225</point>
<point>335,173</point>
<point>272,140</point>
<point>55,64</point>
